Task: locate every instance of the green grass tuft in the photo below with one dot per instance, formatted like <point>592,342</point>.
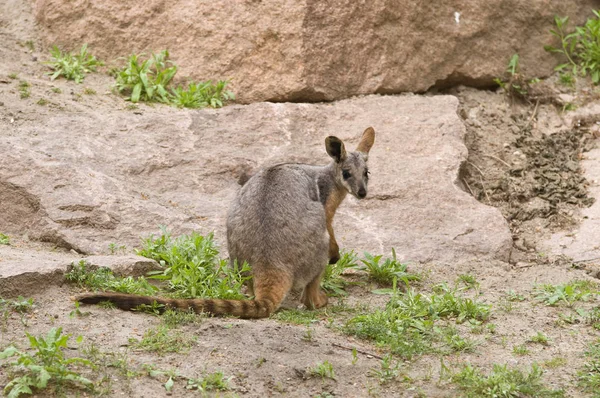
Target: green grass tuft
<point>47,365</point>
<point>387,271</point>
<point>72,66</point>
<point>104,279</point>
<point>146,80</point>
<point>333,282</point>
<point>4,239</point>
<point>580,47</point>
<point>503,382</point>
<point>409,326</point>
<point>566,294</point>
<point>323,370</point>
<point>163,339</point>
<point>202,95</point>
<point>211,382</point>
<point>192,267</point>
<point>589,376</point>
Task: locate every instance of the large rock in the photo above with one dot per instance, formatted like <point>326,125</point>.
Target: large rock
<point>315,50</point>
<point>88,179</point>
<point>28,270</point>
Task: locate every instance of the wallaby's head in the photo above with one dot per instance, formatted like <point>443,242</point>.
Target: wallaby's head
<point>351,170</point>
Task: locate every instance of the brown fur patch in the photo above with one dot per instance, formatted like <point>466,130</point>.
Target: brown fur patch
<point>333,201</point>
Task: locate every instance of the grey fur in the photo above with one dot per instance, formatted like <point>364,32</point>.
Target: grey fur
<point>278,220</point>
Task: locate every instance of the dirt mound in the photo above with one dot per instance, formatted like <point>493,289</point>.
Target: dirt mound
<point>516,163</point>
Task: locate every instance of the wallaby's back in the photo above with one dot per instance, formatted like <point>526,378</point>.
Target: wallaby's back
<point>277,223</point>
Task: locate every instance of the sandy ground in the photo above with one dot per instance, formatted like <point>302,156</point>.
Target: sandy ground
<point>270,357</point>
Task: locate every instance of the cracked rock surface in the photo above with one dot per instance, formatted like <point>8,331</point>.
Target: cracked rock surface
<point>84,179</point>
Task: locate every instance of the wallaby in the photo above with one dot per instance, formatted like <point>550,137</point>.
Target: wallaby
<point>281,224</point>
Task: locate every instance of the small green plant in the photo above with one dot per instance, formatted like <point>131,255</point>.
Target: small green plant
<point>469,281</point>
<point>308,334</point>
<point>146,80</point>
<point>192,268</point>
<point>566,78</point>
<point>21,304</point>
<point>457,343</point>
<point>520,349</point>
<point>4,239</point>
<point>211,382</point>
<point>114,248</point>
<point>540,338</point>
<point>77,312</point>
<point>503,382</point>
<point>354,356</point>
<point>322,370</point>
<point>515,84</point>
<point>153,309</point>
<point>72,66</point>
<point>385,273</point>
<point>13,76</point>
<point>106,359</point>
<point>506,305</point>
<point>173,317</point>
<point>162,339</point>
<point>24,89</point>
<point>555,362</point>
<point>567,41</point>
<point>202,95</point>
<point>104,279</point>
<point>48,364</point>
<point>89,91</point>
<point>566,294</point>
<point>408,325</point>
<point>388,371</point>
<point>42,102</point>
<point>296,316</point>
<point>56,90</point>
<point>511,295</point>
<point>333,282</point>
<point>581,47</point>
<point>589,376</point>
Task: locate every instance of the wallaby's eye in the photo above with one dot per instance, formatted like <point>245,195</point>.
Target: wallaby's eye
<point>367,172</point>
<point>346,174</point>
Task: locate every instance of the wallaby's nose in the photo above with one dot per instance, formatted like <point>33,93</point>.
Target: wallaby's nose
<point>362,193</point>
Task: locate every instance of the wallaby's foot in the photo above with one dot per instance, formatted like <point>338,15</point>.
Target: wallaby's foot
<point>322,300</point>
<point>316,300</point>
<point>314,297</point>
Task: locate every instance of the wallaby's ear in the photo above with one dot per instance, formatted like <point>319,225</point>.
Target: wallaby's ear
<point>366,141</point>
<point>335,148</point>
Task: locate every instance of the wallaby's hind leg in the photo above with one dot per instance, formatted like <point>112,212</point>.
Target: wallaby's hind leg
<point>270,289</point>
<point>313,296</point>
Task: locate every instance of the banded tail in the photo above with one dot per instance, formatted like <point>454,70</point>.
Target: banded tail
<point>241,308</point>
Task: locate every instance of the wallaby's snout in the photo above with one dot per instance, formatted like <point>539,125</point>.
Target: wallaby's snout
<point>362,192</point>
<point>352,172</point>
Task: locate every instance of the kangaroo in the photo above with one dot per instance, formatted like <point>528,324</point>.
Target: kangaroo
<point>281,224</point>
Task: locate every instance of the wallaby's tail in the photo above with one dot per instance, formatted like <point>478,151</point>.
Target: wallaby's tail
<point>241,308</point>
<point>269,288</point>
